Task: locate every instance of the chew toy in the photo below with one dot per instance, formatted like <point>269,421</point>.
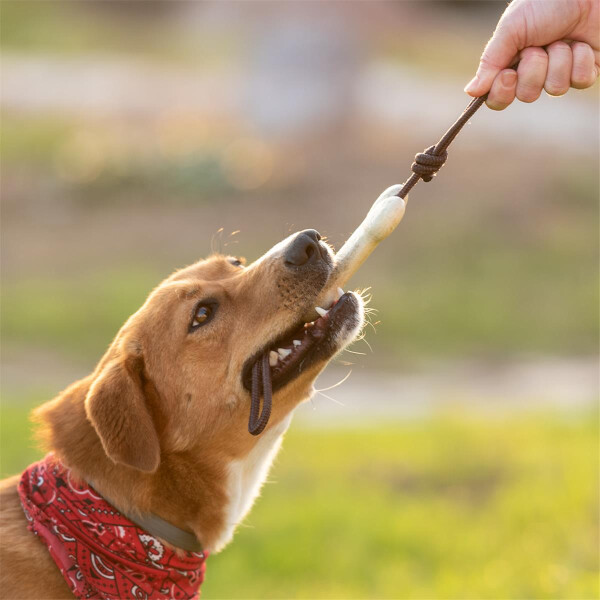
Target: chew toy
<point>388,210</point>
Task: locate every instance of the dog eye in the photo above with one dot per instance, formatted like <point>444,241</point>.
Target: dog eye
<point>203,313</point>
<point>236,262</point>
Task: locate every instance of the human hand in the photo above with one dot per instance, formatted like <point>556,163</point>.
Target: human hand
<point>557,44</point>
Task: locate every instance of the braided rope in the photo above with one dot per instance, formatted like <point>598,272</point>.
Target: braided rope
<point>429,162</point>
<point>425,167</point>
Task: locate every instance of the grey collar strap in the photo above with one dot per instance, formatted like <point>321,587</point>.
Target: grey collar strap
<point>160,528</point>
<point>180,538</point>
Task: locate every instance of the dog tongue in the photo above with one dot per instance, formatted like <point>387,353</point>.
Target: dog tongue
<point>258,420</point>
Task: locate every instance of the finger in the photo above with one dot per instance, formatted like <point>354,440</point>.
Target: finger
<point>584,72</point>
<point>560,65</point>
<point>499,53</point>
<point>531,74</point>
<point>503,90</point>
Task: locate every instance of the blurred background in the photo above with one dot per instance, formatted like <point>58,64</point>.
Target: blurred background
<point>460,457</point>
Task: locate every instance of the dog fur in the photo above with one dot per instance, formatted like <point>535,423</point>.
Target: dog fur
<point>161,424</point>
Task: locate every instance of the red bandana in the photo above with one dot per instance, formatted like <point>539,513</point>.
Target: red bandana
<point>101,553</point>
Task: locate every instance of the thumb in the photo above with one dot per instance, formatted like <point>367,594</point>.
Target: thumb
<point>499,53</point>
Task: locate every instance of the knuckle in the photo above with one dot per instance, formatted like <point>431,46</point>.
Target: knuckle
<point>559,46</point>
<point>554,88</point>
<point>582,82</point>
<point>531,78</point>
<point>577,77</point>
<point>534,54</point>
<point>487,63</point>
<point>582,77</point>
<point>528,93</point>
<point>580,47</point>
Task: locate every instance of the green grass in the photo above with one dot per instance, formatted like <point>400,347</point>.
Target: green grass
<point>442,509</point>
<point>498,299</point>
<point>451,507</point>
<point>78,316</point>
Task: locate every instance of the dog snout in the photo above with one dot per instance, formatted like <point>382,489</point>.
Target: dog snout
<point>304,249</point>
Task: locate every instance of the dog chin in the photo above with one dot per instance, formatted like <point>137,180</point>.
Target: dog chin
<point>346,325</point>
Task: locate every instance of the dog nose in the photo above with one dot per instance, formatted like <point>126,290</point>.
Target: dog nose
<point>304,249</point>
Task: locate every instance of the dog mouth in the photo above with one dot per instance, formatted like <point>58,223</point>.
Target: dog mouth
<point>285,358</point>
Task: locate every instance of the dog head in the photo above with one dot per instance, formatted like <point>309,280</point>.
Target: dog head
<point>179,370</point>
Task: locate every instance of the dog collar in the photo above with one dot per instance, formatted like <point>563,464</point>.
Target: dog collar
<point>158,527</point>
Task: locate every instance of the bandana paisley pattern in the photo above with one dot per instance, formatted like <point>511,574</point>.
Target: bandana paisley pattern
<point>100,553</point>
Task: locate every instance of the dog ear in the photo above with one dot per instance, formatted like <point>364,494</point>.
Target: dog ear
<point>117,408</point>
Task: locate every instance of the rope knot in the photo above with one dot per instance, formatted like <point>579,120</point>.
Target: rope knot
<point>427,164</point>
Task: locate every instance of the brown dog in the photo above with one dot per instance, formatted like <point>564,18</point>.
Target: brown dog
<point>160,426</point>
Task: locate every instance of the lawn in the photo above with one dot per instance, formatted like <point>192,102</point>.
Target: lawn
<point>450,507</point>
<point>496,260</point>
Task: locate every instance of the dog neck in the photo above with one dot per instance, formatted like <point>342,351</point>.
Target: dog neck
<point>206,490</point>
<point>159,528</point>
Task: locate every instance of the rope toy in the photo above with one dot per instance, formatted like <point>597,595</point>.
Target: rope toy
<point>380,222</point>
<point>429,162</point>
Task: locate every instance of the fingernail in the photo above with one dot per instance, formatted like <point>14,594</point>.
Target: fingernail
<point>472,85</point>
<point>508,78</point>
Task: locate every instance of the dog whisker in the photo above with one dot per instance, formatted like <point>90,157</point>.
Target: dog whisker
<point>344,363</point>
<point>355,352</point>
<point>335,384</point>
<point>213,240</point>
<point>332,399</point>
<point>367,322</point>
<point>364,339</point>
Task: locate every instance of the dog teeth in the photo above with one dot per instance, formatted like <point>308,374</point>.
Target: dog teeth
<point>309,325</point>
<point>322,312</point>
<point>340,293</point>
<point>331,299</point>
<point>283,352</point>
<point>297,343</point>
<point>273,358</point>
